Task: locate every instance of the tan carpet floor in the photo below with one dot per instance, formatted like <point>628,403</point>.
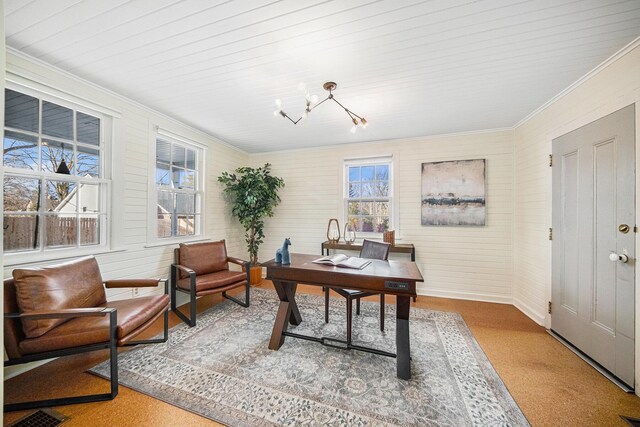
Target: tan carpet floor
<point>552,386</point>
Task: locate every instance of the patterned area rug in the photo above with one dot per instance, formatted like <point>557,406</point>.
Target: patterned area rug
<point>222,369</point>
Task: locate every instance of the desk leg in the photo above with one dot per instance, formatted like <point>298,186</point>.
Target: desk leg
<point>402,337</point>
<point>287,312</point>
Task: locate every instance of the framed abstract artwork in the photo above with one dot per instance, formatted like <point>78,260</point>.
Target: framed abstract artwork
<point>453,193</point>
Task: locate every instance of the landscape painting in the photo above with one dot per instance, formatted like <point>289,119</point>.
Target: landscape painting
<point>453,193</point>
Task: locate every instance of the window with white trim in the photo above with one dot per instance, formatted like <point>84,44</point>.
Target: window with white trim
<point>368,190</point>
<point>55,190</point>
<point>178,192</point>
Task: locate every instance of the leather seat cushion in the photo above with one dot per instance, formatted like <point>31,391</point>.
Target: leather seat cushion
<point>132,314</point>
<point>215,280</point>
<point>74,284</point>
<point>204,258</point>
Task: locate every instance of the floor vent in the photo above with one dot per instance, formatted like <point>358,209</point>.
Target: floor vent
<point>41,418</point>
<point>635,422</point>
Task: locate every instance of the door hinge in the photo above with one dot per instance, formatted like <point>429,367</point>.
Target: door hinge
<point>549,307</point>
<point>550,233</point>
<point>550,160</point>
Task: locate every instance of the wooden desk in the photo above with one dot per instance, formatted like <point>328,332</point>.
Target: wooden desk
<point>389,277</point>
<point>404,248</point>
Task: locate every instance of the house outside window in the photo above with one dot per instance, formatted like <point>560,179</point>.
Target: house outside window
<point>178,188</point>
<point>369,195</point>
<point>53,176</point>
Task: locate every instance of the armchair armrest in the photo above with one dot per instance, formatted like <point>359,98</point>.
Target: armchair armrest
<point>61,314</point>
<point>132,283</point>
<point>237,261</point>
<point>185,269</point>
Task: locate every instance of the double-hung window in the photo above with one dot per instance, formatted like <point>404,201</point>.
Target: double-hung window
<point>178,188</point>
<point>369,194</point>
<point>55,190</point>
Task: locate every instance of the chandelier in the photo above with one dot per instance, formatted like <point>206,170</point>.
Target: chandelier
<point>312,103</point>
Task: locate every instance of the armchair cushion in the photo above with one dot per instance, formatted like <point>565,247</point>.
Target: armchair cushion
<point>132,314</point>
<point>203,258</point>
<point>215,280</point>
<point>75,284</point>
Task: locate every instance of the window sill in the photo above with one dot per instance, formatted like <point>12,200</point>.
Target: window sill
<point>176,242</point>
<point>21,258</point>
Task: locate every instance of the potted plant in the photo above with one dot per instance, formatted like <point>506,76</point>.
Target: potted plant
<point>253,193</point>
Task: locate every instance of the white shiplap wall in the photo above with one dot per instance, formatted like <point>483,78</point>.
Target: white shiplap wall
<point>614,86</point>
<point>132,256</point>
<point>459,262</point>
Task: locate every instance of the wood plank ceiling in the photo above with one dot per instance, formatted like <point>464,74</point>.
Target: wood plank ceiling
<point>412,68</point>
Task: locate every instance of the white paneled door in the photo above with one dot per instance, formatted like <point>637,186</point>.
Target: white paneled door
<point>593,241</point>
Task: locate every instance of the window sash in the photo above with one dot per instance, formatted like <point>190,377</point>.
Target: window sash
<point>79,236</point>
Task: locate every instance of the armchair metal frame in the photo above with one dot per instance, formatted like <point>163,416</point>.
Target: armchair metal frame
<point>112,345</point>
<point>191,320</point>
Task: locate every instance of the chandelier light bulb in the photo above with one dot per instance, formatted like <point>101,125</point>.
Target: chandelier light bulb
<point>353,128</point>
<point>314,99</point>
<point>364,123</point>
<point>302,87</point>
<point>279,104</point>
<point>276,113</point>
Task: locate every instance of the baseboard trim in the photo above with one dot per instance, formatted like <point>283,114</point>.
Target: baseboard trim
<point>529,312</point>
<point>441,293</point>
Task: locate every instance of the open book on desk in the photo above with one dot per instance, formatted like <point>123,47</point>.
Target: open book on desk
<point>341,260</point>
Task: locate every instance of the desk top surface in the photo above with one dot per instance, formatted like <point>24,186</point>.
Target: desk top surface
<point>302,265</point>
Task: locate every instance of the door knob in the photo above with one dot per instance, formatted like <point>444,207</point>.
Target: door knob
<point>618,257</point>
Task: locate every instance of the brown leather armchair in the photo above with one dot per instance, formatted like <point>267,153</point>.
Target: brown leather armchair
<point>62,310</point>
<point>202,269</point>
<point>371,250</point>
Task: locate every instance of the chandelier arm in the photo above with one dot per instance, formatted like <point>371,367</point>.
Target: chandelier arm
<point>295,122</point>
<point>349,112</point>
<point>311,109</point>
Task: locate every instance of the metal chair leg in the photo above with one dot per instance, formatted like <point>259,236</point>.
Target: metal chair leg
<point>358,306</point>
<point>349,319</point>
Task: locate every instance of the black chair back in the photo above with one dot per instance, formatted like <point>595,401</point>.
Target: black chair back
<point>374,250</point>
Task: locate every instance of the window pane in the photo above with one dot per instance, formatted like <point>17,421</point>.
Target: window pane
<point>88,128</point>
<point>61,197</point>
<point>185,203</point>
<point>366,208</point>
<point>21,194</point>
<point>21,232</point>
<point>354,173</point>
<point>182,225</point>
<point>20,151</point>
<point>60,231</point>
<point>162,174</point>
<point>164,224</point>
<point>367,224</point>
<point>353,208</point>
<point>165,202</point>
<point>178,156</point>
<point>382,209</point>
<point>57,120</point>
<point>189,181</point>
<point>53,153</point>
<point>20,111</point>
<point>381,224</point>
<point>368,189</point>
<point>367,173</point>
<point>179,178</point>
<point>89,230</point>
<point>89,198</point>
<point>382,189</point>
<point>382,172</point>
<point>354,190</point>
<point>163,151</point>
<point>88,162</point>
<point>191,159</point>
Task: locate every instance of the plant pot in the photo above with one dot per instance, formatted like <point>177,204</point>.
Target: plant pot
<point>255,275</point>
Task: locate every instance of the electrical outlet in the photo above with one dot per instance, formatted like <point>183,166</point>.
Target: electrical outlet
<point>136,291</point>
